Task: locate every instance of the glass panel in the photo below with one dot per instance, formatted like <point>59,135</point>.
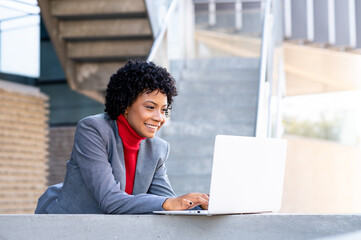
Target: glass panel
<point>330,116</point>
<point>156,11</point>
<point>19,37</point>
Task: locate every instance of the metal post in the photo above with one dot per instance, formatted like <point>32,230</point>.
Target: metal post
<point>238,15</point>
<point>212,13</point>
<point>331,22</point>
<point>352,22</point>
<point>261,119</point>
<point>358,26</point>
<point>281,92</point>
<point>310,21</point>
<point>288,19</point>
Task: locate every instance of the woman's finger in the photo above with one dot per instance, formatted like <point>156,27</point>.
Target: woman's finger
<point>187,203</point>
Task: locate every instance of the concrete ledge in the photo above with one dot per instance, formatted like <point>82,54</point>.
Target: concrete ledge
<point>252,226</point>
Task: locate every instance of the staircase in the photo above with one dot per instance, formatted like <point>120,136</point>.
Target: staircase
<point>93,38</point>
<point>216,96</point>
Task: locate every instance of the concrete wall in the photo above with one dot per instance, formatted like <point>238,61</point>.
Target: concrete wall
<point>250,227</point>
<point>23,147</point>
<point>321,177</point>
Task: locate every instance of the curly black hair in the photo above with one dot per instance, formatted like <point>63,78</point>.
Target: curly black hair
<point>134,78</point>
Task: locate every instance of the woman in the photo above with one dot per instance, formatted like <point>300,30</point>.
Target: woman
<point>117,164</point>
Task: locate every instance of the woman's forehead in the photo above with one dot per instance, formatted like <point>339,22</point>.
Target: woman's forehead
<point>156,96</point>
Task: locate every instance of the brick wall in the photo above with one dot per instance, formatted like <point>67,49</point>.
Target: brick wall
<point>23,147</point>
<point>60,146</point>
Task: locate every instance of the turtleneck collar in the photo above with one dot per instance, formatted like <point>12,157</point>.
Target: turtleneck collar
<point>129,137</point>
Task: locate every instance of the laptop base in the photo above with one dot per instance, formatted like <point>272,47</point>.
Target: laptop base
<point>202,213</point>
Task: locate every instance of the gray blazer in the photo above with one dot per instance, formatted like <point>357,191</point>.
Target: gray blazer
<point>95,175</point>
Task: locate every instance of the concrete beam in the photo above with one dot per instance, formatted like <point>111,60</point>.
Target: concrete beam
<point>252,226</point>
<point>96,75</point>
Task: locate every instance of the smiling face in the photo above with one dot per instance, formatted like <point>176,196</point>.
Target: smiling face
<point>147,114</point>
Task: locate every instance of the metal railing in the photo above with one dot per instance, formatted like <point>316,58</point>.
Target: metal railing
<point>264,19</point>
<point>161,33</point>
<point>268,109</point>
<point>231,14</point>
<point>262,109</point>
<point>333,23</point>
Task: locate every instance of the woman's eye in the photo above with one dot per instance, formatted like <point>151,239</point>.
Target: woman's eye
<point>150,107</point>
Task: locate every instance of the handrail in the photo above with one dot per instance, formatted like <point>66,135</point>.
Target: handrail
<point>266,31</point>
<point>161,32</point>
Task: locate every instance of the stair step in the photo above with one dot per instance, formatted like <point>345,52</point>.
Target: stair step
<point>212,115</point>
<point>220,75</point>
<point>222,63</point>
<point>216,101</point>
<point>95,75</point>
<point>190,165</point>
<point>183,184</point>
<point>98,8</point>
<point>111,49</point>
<point>178,130</point>
<point>105,28</point>
<point>229,87</point>
<point>216,96</point>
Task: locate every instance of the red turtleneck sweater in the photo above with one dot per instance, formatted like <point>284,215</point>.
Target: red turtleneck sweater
<point>131,144</point>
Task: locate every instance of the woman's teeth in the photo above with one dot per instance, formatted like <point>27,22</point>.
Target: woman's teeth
<point>151,126</point>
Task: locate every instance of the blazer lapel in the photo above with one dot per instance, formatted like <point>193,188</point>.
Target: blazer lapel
<point>144,171</point>
<point>120,172</point>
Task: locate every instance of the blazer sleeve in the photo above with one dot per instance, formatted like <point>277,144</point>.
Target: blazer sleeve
<point>91,155</point>
<point>160,184</point>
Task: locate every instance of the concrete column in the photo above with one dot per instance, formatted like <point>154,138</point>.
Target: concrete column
<point>189,29</point>
<point>181,32</point>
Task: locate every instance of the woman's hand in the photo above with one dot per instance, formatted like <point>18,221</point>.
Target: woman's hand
<point>187,201</point>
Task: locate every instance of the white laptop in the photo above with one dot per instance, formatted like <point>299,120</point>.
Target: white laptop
<point>247,176</point>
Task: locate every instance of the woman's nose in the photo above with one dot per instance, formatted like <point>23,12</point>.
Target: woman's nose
<point>158,116</point>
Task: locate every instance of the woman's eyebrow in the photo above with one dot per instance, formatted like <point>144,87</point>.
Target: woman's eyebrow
<point>149,101</point>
